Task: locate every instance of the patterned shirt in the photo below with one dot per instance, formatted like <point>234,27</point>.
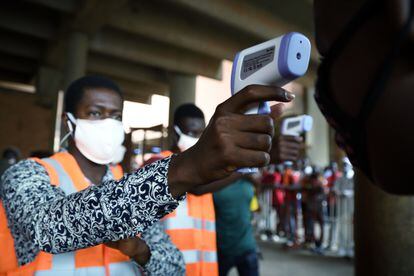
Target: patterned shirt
<point>42,218</point>
<point>165,259</point>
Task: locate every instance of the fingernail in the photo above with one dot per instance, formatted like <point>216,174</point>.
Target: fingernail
<point>289,96</point>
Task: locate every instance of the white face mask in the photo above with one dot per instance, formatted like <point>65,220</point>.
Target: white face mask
<point>185,141</point>
<point>97,140</point>
<point>119,155</point>
<point>12,161</point>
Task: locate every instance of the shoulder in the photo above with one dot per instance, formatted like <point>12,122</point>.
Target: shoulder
<point>23,170</point>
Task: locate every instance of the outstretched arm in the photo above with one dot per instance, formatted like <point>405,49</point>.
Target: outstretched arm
<point>42,218</point>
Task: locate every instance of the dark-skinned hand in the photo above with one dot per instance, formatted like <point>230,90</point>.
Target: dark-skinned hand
<point>286,148</point>
<point>232,140</point>
<point>135,248</point>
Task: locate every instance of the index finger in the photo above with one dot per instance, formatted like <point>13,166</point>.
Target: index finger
<point>255,94</point>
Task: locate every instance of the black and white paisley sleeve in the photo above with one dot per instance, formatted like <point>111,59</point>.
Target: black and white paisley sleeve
<point>41,217</point>
<point>165,258</point>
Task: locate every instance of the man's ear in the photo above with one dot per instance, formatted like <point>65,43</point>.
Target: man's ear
<point>67,123</point>
<point>174,134</point>
<point>173,138</point>
<point>398,14</point>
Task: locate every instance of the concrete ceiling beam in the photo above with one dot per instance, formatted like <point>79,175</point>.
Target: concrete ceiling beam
<point>93,14</point>
<point>110,66</point>
<point>66,6</point>
<point>138,98</point>
<point>139,91</point>
<point>19,47</point>
<point>245,16</point>
<point>89,18</point>
<point>16,64</point>
<point>296,12</point>
<point>160,24</point>
<point>8,75</point>
<point>239,14</point>
<point>27,23</point>
<point>141,50</point>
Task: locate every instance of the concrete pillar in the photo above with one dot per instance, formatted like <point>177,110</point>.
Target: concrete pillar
<point>74,67</point>
<point>384,231</point>
<point>182,90</point>
<point>318,139</point>
<point>75,57</point>
<point>48,83</point>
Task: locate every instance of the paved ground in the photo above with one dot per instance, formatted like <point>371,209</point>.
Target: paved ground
<point>279,262</point>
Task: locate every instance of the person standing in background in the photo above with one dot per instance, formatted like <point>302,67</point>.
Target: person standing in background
<point>235,237</point>
<point>9,157</point>
<point>236,243</point>
<point>93,114</point>
<point>192,226</point>
<point>290,180</point>
<point>312,208</point>
<point>332,175</point>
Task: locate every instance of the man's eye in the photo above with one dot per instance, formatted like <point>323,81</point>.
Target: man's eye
<point>94,114</point>
<point>117,117</point>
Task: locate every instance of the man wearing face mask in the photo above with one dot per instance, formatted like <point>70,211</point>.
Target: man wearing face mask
<point>93,109</point>
<point>69,201</point>
<point>192,226</point>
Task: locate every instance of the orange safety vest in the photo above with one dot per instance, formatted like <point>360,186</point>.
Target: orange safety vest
<point>192,228</point>
<point>64,172</point>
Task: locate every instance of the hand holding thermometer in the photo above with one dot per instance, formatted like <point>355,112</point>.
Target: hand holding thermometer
<point>274,62</point>
<point>295,126</point>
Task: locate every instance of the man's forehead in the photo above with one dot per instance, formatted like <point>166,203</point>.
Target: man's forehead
<point>192,123</point>
<point>101,96</point>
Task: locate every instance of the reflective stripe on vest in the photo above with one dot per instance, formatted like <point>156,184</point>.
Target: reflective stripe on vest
<point>182,220</point>
<point>192,229</point>
<point>97,260</point>
<point>65,182</point>
<point>195,256</point>
<point>210,225</point>
<point>65,263</point>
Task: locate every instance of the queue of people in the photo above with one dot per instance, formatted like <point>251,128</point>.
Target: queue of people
<point>313,208</point>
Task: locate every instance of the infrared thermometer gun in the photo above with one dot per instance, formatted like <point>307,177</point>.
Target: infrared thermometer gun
<point>274,62</point>
<point>295,126</point>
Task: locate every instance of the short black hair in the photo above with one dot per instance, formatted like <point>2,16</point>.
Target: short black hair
<point>11,152</point>
<point>188,110</point>
<point>74,92</point>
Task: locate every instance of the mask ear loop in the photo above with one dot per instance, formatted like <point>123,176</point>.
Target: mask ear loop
<point>178,130</point>
<point>71,120</point>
